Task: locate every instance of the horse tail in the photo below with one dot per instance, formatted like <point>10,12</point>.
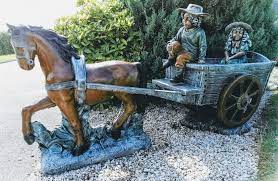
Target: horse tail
<point>142,83</point>
<point>141,79</point>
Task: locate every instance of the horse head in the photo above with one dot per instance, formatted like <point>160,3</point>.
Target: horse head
<point>24,46</point>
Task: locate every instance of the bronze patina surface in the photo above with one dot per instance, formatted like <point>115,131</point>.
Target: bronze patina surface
<point>54,55</point>
<point>238,43</point>
<point>192,39</point>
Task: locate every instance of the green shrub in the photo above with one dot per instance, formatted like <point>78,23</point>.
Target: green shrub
<point>101,30</point>
<point>5,45</point>
<point>158,21</point>
<point>259,14</point>
<point>139,29</point>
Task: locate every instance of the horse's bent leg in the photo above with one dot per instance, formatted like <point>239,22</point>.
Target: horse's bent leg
<point>129,108</point>
<point>27,114</point>
<point>69,110</point>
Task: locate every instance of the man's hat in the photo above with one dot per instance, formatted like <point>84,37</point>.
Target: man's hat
<point>246,26</point>
<point>195,10</point>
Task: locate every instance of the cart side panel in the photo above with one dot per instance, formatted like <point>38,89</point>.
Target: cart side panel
<point>217,78</point>
<point>193,77</point>
<point>211,78</point>
<point>197,78</point>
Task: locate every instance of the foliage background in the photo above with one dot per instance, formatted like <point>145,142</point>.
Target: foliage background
<point>101,30</point>
<point>137,30</point>
<point>5,45</point>
<point>158,21</point>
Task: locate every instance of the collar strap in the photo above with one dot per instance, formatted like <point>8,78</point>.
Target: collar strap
<point>60,86</point>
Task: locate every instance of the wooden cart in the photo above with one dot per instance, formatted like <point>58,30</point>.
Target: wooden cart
<point>235,90</point>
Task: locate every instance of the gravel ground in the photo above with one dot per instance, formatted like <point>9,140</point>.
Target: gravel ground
<point>177,152</point>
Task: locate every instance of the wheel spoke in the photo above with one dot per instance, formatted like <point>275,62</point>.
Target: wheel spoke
<point>234,97</point>
<point>254,93</point>
<point>249,110</point>
<point>234,115</point>
<point>230,107</point>
<point>241,85</point>
<point>252,106</point>
<point>249,87</point>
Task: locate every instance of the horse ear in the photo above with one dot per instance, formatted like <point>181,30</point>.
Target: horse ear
<point>11,27</point>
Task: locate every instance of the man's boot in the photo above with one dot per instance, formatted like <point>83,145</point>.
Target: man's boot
<point>178,78</point>
<point>168,63</point>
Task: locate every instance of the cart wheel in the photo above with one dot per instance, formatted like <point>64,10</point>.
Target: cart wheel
<point>239,100</point>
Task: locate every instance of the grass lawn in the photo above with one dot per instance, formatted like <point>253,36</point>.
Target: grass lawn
<point>5,58</point>
<point>268,165</point>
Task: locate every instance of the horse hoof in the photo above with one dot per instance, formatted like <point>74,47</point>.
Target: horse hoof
<point>79,150</point>
<point>115,133</point>
<point>29,138</point>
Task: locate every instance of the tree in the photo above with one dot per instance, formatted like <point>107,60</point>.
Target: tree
<point>138,30</point>
<point>5,45</point>
<point>158,21</point>
<point>259,14</point>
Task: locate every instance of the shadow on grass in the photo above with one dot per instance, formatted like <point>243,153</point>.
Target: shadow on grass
<point>268,164</point>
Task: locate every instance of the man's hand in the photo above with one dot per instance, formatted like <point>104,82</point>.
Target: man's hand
<point>227,59</point>
<point>169,47</point>
<point>201,61</point>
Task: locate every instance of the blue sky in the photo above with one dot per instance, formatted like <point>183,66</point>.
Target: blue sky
<point>34,12</point>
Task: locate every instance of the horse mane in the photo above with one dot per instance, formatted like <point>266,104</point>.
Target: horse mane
<point>59,42</point>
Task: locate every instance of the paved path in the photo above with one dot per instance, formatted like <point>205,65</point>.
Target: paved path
<point>19,88</point>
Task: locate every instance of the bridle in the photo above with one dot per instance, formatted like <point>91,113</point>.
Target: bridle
<point>25,55</point>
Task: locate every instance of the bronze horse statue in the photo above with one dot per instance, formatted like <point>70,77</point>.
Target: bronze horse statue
<point>54,55</point>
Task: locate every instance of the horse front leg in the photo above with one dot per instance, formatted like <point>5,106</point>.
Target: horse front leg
<point>129,107</point>
<point>67,106</point>
<point>26,118</point>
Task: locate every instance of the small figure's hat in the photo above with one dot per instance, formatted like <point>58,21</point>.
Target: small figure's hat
<point>195,10</point>
<point>246,26</point>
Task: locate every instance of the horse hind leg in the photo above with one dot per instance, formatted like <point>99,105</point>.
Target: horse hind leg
<point>129,107</point>
<point>27,114</point>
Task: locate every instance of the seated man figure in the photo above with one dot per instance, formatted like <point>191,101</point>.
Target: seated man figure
<point>238,43</point>
<point>189,44</point>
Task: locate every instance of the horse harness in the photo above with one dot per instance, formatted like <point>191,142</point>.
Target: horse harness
<point>79,84</point>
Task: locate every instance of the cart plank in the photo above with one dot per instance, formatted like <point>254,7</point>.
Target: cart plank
<point>184,88</point>
<point>173,95</point>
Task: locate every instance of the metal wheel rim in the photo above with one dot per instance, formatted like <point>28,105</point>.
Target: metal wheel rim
<point>239,100</point>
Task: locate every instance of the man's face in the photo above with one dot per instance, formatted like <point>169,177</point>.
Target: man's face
<point>186,21</point>
<point>237,33</point>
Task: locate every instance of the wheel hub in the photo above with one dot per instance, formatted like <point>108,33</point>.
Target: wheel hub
<point>243,102</point>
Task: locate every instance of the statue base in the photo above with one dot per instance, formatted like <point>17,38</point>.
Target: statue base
<point>53,163</point>
<point>56,146</point>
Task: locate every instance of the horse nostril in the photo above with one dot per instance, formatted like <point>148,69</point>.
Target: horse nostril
<point>30,62</point>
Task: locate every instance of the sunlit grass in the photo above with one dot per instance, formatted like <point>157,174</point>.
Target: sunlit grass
<point>268,165</point>
<point>6,58</point>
